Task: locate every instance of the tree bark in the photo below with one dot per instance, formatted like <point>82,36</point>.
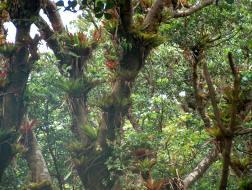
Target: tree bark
<point>19,61</point>
<point>201,168</point>
<point>12,106</point>
<point>39,171</point>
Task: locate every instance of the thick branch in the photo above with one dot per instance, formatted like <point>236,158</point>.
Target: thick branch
<point>214,100</point>
<point>226,163</point>
<point>78,109</point>
<point>35,159</point>
<point>200,169</point>
<point>154,16</point>
<point>48,35</point>
<point>236,91</point>
<point>54,16</point>
<point>126,13</point>
<point>232,65</point>
<point>198,6</point>
<point>243,131</point>
<point>198,98</point>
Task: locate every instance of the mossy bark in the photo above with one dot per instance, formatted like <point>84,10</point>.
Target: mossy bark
<point>35,160</point>
<point>12,102</point>
<point>19,62</point>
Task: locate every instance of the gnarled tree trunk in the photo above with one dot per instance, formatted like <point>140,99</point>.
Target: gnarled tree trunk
<point>18,58</point>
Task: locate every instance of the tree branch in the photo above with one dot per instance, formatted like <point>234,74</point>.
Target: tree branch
<point>244,131</point>
<point>201,168</point>
<point>236,91</point>
<point>54,16</point>
<point>198,6</point>
<point>126,14</point>
<point>154,17</point>
<point>212,94</point>
<point>48,35</point>
<point>226,163</point>
<point>198,98</point>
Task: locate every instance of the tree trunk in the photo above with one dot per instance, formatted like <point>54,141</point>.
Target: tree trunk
<point>19,58</point>
<point>41,178</point>
<point>12,100</point>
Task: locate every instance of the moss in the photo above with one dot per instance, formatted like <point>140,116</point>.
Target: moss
<point>44,185</point>
<point>114,102</point>
<point>3,6</point>
<point>214,132</point>
<point>147,38</point>
<point>138,19</point>
<point>75,147</point>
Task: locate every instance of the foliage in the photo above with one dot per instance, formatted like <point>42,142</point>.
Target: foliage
<point>163,136</point>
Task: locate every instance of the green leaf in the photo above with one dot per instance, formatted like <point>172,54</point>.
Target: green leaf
<point>72,3</point>
<point>90,132</point>
<point>60,3</point>
<point>68,175</point>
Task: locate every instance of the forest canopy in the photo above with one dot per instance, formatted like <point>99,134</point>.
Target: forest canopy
<point>131,95</point>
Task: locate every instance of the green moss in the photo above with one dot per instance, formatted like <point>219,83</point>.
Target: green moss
<point>75,147</point>
<point>3,6</point>
<point>214,132</point>
<point>114,102</point>
<point>138,19</point>
<point>44,185</point>
<point>147,38</point>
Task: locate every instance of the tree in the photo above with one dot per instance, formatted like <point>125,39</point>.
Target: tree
<point>17,59</point>
<point>133,31</point>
